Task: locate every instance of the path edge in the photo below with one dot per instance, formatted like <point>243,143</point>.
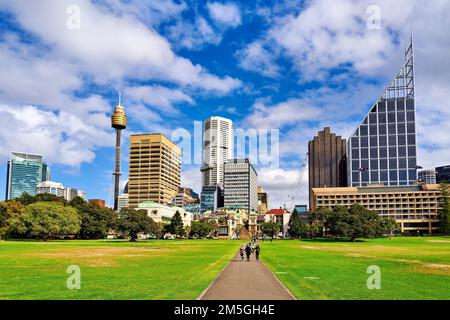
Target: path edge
<point>279,282</point>
<point>215,279</point>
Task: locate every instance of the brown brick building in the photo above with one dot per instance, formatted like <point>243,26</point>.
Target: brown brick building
<point>327,162</point>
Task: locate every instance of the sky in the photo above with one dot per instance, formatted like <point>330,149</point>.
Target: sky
<point>295,66</point>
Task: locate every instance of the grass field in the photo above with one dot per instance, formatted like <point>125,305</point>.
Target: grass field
<point>411,268</point>
<point>112,269</point>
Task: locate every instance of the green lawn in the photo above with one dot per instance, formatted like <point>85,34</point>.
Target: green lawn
<point>411,268</point>
<point>112,269</point>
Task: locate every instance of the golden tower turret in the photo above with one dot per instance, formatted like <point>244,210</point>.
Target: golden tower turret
<point>118,122</point>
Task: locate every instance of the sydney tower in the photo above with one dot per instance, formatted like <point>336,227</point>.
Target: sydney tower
<point>118,122</point>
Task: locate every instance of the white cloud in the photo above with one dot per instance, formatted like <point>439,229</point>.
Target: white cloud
<point>62,137</point>
<point>110,47</point>
<point>191,178</point>
<point>281,114</point>
<point>227,14</point>
<point>193,36</point>
<point>254,57</point>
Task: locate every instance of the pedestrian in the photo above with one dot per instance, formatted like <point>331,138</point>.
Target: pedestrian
<point>248,251</point>
<point>242,251</point>
<point>257,250</point>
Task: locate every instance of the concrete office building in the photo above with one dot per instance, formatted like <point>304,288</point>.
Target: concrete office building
<point>72,193</point>
<point>184,196</point>
<point>218,147</point>
<point>443,174</point>
<point>427,176</point>
<point>24,172</point>
<point>240,185</point>
<point>415,208</point>
<point>155,169</point>
<point>327,161</point>
<point>383,147</point>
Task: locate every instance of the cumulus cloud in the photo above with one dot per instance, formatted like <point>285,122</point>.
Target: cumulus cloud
<point>226,14</point>
<point>254,57</point>
<point>193,36</point>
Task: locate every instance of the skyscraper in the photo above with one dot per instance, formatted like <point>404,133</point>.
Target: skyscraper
<point>443,174</point>
<point>327,161</point>
<point>218,138</point>
<point>427,176</point>
<point>155,169</point>
<point>24,172</point>
<point>382,150</point>
<point>240,185</point>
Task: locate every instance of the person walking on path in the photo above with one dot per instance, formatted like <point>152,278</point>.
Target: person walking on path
<point>257,250</point>
<point>242,251</point>
<point>248,251</point>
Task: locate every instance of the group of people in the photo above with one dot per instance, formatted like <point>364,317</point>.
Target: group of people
<point>249,249</point>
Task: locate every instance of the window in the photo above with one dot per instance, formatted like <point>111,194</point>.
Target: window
<point>374,164</point>
<point>412,151</point>
<point>364,142</point>
<point>402,163</point>
<point>412,162</point>
<point>374,153</point>
<point>384,176</point>
<point>392,140</point>
<point>410,105</point>
<point>403,175</point>
<point>401,128</point>
<point>355,165</point>
<point>381,106</point>
<point>364,130</point>
<point>355,142</point>
<point>355,176</point>
<point>411,128</point>
<point>373,118</point>
<point>393,152</point>
<point>383,164</point>
<point>365,176</point>
<point>382,117</point>
<point>391,106</point>
<point>374,176</point>
<point>383,152</point>
<point>391,117</point>
<point>355,153</point>
<point>411,139</point>
<point>410,116</point>
<point>364,153</point>
<point>402,140</point>
<point>392,163</point>
<point>393,175</point>
<point>400,116</point>
<point>373,130</point>
<point>373,141</point>
<point>392,129</point>
<point>383,141</point>
<point>402,151</point>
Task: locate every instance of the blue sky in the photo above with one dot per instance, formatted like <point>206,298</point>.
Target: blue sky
<point>294,66</point>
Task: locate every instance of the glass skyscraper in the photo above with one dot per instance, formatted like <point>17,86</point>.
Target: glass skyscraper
<point>24,173</point>
<point>382,150</point>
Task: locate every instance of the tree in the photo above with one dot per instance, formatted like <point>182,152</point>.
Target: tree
<point>46,220</point>
<point>270,229</point>
<point>133,222</point>
<point>444,208</point>
<point>176,226</point>
<point>318,222</point>
<point>297,227</point>
<point>26,199</point>
<point>96,221</point>
<point>8,211</point>
<point>390,226</point>
<point>202,229</point>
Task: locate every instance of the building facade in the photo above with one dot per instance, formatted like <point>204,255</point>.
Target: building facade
<point>427,176</point>
<point>218,148</point>
<point>50,187</point>
<point>72,193</point>
<point>98,202</point>
<point>240,185</point>
<point>24,172</point>
<point>415,208</point>
<point>263,201</point>
<point>155,169</point>
<point>184,196</point>
<point>122,201</point>
<point>327,161</point>
<point>161,213</point>
<point>211,198</point>
<point>443,174</point>
<point>383,147</point>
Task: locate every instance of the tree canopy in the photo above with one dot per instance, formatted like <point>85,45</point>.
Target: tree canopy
<point>134,222</point>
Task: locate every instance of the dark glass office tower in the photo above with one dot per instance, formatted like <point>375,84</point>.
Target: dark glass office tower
<point>382,150</point>
<point>327,161</point>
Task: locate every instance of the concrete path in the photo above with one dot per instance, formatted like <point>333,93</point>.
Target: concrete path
<point>246,281</point>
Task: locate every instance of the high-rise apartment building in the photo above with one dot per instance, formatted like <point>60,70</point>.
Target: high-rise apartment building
<point>382,150</point>
<point>24,172</point>
<point>240,185</point>
<point>427,176</point>
<point>327,161</point>
<point>155,169</point>
<point>211,198</point>
<point>72,193</point>
<point>218,147</point>
<point>443,174</point>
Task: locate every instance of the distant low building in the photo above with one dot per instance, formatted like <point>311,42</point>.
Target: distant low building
<point>263,201</point>
<point>427,176</point>
<point>122,201</point>
<point>280,217</point>
<point>161,213</point>
<point>184,196</point>
<point>98,202</point>
<point>51,187</point>
<point>72,193</point>
<point>443,174</point>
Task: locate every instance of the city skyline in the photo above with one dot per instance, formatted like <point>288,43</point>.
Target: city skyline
<point>248,71</point>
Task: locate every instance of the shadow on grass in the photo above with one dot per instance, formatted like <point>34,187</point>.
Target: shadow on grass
<point>327,240</point>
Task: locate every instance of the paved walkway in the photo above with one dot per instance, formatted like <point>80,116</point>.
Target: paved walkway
<point>246,281</point>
